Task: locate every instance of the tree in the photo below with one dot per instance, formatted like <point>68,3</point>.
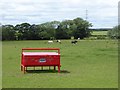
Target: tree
<point>114,33</point>
<point>18,32</point>
<point>69,26</point>
<point>61,32</point>
<point>34,32</point>
<point>78,28</point>
<point>65,30</point>
<point>48,29</point>
<point>23,31</point>
<point>8,32</point>
<point>82,30</point>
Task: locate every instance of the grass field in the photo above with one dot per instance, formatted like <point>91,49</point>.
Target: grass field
<point>88,64</point>
<point>99,32</point>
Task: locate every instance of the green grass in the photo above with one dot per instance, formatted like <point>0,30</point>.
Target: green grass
<point>99,33</point>
<point>88,64</point>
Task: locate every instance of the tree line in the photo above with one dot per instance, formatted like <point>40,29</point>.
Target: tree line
<point>77,28</point>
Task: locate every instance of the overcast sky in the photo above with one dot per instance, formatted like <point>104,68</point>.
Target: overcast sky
<point>101,13</point>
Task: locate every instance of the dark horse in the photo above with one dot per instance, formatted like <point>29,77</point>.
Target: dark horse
<point>74,42</point>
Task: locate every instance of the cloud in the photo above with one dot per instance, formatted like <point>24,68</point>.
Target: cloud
<point>100,12</point>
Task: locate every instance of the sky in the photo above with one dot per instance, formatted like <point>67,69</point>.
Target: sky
<point>101,13</point>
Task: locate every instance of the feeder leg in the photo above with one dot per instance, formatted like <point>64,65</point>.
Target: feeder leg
<point>34,67</point>
<point>54,68</point>
<point>21,68</point>
<point>41,67</point>
<point>49,67</point>
<point>24,69</point>
<point>59,69</point>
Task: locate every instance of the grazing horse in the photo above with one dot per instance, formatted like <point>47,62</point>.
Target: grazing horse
<point>50,41</point>
<point>59,41</point>
<point>74,42</point>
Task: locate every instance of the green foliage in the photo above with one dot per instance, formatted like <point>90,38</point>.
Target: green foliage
<point>114,33</point>
<point>49,30</point>
<point>81,30</point>
<point>8,32</point>
<point>63,30</point>
<point>77,28</point>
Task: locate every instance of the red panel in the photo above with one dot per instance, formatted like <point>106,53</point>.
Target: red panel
<point>40,58</point>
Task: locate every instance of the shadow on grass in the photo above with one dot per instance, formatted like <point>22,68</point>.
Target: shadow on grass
<point>47,71</point>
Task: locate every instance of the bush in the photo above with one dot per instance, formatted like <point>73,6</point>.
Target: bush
<point>114,33</point>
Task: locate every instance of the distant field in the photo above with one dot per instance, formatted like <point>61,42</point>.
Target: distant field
<point>88,64</point>
<point>99,33</point>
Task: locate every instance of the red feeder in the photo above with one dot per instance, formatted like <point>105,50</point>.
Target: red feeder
<point>32,59</point>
